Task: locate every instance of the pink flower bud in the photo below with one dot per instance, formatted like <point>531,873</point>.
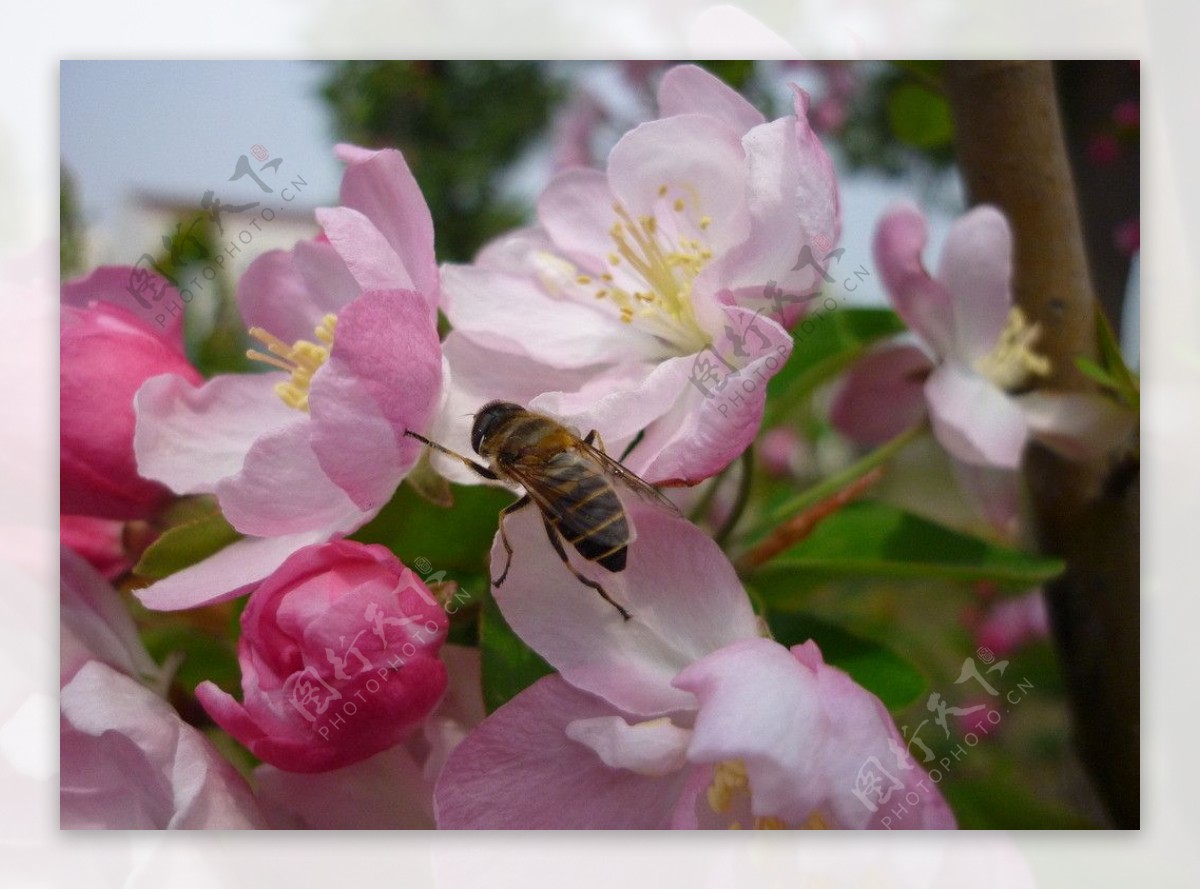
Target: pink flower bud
<point>339,657</point>
<point>107,352</point>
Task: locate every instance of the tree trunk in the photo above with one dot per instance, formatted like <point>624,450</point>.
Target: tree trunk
<point>1009,141</point>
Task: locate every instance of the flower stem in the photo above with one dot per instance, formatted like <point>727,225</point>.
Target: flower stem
<point>743,497</point>
<point>830,487</point>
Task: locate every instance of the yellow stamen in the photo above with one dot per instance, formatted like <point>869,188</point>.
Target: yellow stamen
<point>1012,362</point>
<point>729,785</point>
<point>301,360</point>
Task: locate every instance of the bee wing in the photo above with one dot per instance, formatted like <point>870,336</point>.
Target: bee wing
<point>630,480</point>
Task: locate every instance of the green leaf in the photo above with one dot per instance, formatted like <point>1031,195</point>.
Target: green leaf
<point>999,802</point>
<point>456,541</point>
<point>509,665</point>
<point>186,544</point>
<point>1101,376</point>
<point>872,665</point>
<point>920,117</point>
<point>824,344</point>
<point>876,540</point>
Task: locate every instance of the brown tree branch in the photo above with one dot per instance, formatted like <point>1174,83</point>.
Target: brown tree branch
<point>1008,137</point>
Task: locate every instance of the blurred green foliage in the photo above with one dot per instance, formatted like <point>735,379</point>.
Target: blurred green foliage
<point>460,124</point>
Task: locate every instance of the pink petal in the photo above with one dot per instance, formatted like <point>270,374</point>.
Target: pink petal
<point>689,89</point>
<point>684,596</point>
<point>96,625</point>
<point>509,313</point>
<point>367,253</point>
<point>576,212</point>
<point>924,304</point>
<point>699,159</point>
<point>289,292</point>
<point>386,791</point>
<point>226,574</point>
<point>994,495</point>
<point>1013,622</point>
<point>651,748</point>
<point>192,437</point>
<point>760,706</point>
<point>792,197</point>
<point>973,419</point>
<point>708,429</point>
<point>882,395</point>
<point>380,185</point>
<point>518,769</point>
<point>128,761</point>
<point>976,268</point>
<point>110,284</point>
<point>384,376</point>
<point>282,490</point>
<point>1079,426</point>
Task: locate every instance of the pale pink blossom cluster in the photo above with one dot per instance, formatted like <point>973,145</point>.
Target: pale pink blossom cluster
<point>601,313</point>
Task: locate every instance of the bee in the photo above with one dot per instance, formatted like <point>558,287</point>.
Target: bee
<point>571,480</point>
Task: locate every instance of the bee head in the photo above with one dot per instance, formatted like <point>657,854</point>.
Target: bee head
<point>489,418</point>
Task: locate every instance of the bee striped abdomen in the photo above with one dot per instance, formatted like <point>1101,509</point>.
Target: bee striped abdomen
<point>586,511</point>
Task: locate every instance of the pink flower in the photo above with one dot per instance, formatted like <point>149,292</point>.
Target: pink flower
<point>976,356</point>
<point>392,789</point>
<point>99,541</point>
<point>312,450</point>
<point>128,761</point>
<point>96,625</point>
<point>338,652</point>
<point>642,299</point>
<point>1011,623</point>
<point>107,352</point>
<point>681,717</point>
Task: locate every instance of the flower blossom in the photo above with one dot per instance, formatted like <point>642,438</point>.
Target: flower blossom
<point>107,353</point>
<point>126,759</point>
<point>652,296</point>
<point>682,717</point>
<point>311,450</point>
<point>338,652</point>
<point>977,358</point>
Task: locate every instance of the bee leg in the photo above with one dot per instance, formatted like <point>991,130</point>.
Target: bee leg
<point>593,438</point>
<point>467,462</point>
<point>552,534</point>
<point>511,508</point>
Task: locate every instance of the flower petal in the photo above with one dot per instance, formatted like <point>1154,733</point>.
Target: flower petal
<point>759,705</point>
<point>710,428</point>
<point>383,376</point>
<point>976,268</point>
<point>380,185</point>
<point>366,252</point>
<point>129,761</point>
<point>976,422</point>
<point>693,155</point>
<point>1079,426</point>
<point>386,791</point>
<point>923,303</point>
<point>651,748</point>
<point>226,574</point>
<point>519,769</point>
<point>689,89</point>
<point>282,490</point>
<point>630,663</point>
<point>289,292</point>
<point>192,437</point>
<point>882,394</point>
<point>513,314</point>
